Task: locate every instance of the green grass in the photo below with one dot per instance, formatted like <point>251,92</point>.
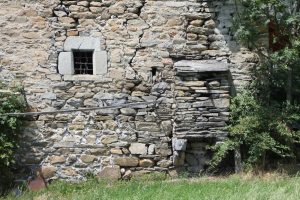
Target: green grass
<point>233,187</point>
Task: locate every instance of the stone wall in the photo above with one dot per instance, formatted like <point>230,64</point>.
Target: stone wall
<point>143,39</point>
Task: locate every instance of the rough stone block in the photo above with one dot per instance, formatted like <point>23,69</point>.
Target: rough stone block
<point>151,149</point>
<point>218,103</point>
<point>88,158</point>
<point>49,95</point>
<point>128,111</point>
<point>69,171</point>
<point>163,150</point>
<point>127,175</point>
<point>222,103</point>
<point>161,87</point>
<point>147,126</point>
<point>111,173</point>
<point>108,139</point>
<point>49,171</point>
<point>179,144</point>
<point>208,103</point>
<point>146,163</point>
<point>167,127</point>
<point>57,159</point>
<point>99,151</point>
<point>103,96</point>
<point>67,22</point>
<point>126,161</point>
<point>164,163</point>
<point>138,148</point>
<point>116,151</point>
<point>178,158</point>
<point>194,83</point>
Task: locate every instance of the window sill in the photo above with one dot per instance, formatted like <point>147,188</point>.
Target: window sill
<point>87,77</point>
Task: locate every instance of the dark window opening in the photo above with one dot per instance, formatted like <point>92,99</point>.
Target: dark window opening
<point>83,62</point>
<point>154,71</point>
<point>153,74</point>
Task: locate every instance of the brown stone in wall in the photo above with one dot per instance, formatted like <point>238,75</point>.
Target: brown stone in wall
<point>108,139</point>
<point>138,148</point>
<point>110,172</point>
<point>126,161</point>
<point>57,159</point>
<point>48,171</point>
<point>88,158</point>
<point>146,163</point>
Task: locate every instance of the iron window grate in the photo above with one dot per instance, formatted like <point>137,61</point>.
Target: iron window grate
<point>83,62</point>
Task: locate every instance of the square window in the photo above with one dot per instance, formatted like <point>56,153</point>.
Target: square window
<point>83,62</point>
<point>82,56</point>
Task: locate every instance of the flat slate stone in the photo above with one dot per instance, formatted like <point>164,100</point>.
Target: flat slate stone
<point>201,66</point>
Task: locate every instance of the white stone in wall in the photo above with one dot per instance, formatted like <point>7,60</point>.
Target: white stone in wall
<point>100,62</point>
<point>179,144</point>
<point>138,148</point>
<point>66,63</point>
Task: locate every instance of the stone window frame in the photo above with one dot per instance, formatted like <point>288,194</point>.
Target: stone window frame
<point>79,43</point>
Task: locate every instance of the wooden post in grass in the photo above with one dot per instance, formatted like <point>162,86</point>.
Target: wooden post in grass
<point>237,160</point>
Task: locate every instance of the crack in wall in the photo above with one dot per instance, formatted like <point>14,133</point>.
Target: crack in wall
<point>140,38</point>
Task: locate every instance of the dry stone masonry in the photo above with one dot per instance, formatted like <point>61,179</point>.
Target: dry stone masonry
<point>178,54</point>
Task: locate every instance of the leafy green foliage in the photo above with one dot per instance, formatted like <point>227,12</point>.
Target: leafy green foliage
<point>265,117</point>
<point>10,102</point>
<point>254,17</point>
<point>259,131</point>
<point>272,28</point>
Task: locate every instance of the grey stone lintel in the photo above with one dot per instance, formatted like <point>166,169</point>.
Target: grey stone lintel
<point>188,66</point>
